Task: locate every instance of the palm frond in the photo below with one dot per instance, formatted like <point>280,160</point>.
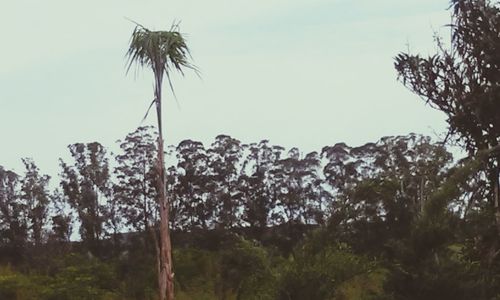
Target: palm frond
<point>162,51</point>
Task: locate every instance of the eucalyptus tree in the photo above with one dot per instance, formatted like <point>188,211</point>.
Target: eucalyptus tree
<point>136,177</point>
<point>298,186</point>
<point>163,52</point>
<point>225,165</point>
<point>388,201</point>
<point>86,186</point>
<point>256,184</point>
<point>36,198</point>
<point>13,217</point>
<point>195,197</point>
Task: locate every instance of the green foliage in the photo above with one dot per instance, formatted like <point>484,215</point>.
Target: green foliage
<point>367,286</point>
<point>321,269</point>
<point>83,278</point>
<point>17,286</point>
<point>241,270</point>
<point>245,270</point>
<point>79,279</point>
<point>250,224</point>
<point>444,273</point>
<point>195,273</point>
<point>159,50</point>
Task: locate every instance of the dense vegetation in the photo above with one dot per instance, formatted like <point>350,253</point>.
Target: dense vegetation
<point>393,219</point>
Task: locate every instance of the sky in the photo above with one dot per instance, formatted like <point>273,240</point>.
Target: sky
<point>299,73</point>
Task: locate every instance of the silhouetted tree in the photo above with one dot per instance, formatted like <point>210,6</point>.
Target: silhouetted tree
<point>86,187</point>
<point>13,217</point>
<point>297,185</point>
<point>464,83</point>
<point>224,163</point>
<point>136,179</point>
<point>36,197</point>
<point>196,203</point>
<point>256,185</point>
<point>394,180</point>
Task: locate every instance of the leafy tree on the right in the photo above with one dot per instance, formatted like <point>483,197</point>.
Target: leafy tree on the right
<point>463,81</point>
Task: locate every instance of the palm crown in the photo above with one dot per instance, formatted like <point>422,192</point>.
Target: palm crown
<point>160,50</point>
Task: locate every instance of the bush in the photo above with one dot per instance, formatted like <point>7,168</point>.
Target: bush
<point>245,271</point>
<point>14,285</point>
<point>318,270</point>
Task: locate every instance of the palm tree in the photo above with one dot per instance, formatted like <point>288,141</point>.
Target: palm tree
<point>162,51</point>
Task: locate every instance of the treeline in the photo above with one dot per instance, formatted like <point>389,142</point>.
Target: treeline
<point>228,185</point>
<point>394,219</point>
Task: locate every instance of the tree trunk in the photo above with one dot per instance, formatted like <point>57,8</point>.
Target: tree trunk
<point>494,178</point>
<point>165,275</point>
<point>166,283</point>
<point>494,152</point>
<point>496,197</point>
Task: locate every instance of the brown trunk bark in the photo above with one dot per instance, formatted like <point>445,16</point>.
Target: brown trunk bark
<point>494,177</point>
<point>495,181</point>
<point>165,275</point>
<point>496,198</point>
<point>494,250</point>
<point>166,283</point>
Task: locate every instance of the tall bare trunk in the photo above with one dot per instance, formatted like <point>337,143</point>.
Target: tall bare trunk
<point>494,178</point>
<point>165,275</point>
<point>496,197</point>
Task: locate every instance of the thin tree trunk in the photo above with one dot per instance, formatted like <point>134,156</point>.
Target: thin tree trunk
<point>495,181</point>
<point>165,275</point>
<point>496,197</point>
<point>494,178</point>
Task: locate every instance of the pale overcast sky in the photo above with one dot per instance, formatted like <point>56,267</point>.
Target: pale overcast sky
<point>305,73</point>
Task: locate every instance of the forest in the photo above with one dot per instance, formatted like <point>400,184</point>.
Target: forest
<point>396,218</point>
